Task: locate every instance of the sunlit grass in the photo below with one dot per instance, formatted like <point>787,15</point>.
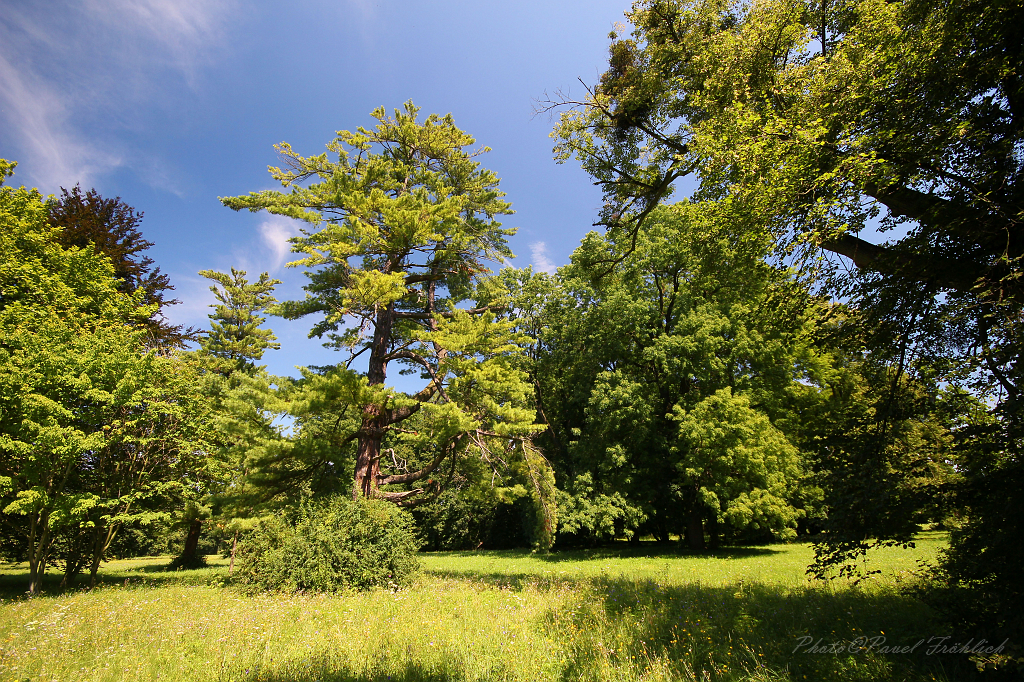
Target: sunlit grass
<point>768,564</point>
<point>630,613</point>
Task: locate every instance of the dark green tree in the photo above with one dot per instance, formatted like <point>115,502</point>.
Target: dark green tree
<point>660,381</point>
<point>112,227</point>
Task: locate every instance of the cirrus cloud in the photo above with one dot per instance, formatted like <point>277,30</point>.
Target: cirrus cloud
<point>74,78</point>
<point>541,261</point>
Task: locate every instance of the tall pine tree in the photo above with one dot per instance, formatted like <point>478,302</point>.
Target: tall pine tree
<point>229,351</point>
<point>400,229</point>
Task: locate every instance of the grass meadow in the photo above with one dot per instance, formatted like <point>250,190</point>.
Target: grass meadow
<point>636,612</point>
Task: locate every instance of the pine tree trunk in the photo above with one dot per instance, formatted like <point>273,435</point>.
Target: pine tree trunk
<point>371,435</point>
<point>371,431</point>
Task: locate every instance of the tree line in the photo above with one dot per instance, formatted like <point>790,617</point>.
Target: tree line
<point>703,367</point>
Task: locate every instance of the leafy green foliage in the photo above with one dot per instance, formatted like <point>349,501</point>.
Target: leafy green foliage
<point>819,116</point>
<point>883,453</point>
<point>588,516</point>
<point>96,432</point>
<point>331,545</point>
<point>736,461</point>
<point>455,520</point>
<point>241,393</point>
<point>976,585</point>
<point>821,119</point>
<point>635,365</point>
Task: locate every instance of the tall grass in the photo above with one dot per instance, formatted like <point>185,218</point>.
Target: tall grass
<point>633,613</point>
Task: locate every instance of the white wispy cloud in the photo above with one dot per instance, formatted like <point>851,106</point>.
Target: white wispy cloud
<point>183,30</point>
<point>275,233</point>
<point>37,115</point>
<point>541,261</point>
<point>266,252</point>
<point>72,80</point>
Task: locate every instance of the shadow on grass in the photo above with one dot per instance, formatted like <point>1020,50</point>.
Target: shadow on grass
<point>622,628</point>
<point>630,626</point>
<point>757,632</point>
<point>649,550</point>
<point>615,628</point>
<point>507,577</point>
<point>14,581</point>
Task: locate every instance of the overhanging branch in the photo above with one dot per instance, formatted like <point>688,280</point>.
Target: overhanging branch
<point>943,272</point>
<point>471,311</point>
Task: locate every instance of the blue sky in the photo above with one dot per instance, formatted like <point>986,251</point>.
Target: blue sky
<point>170,104</point>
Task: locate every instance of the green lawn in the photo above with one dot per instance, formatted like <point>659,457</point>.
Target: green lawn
<point>628,613</point>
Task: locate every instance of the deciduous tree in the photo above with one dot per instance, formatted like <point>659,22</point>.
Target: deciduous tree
<point>96,431</point>
<point>112,228</point>
<point>822,119</point>
<point>660,380</point>
<point>93,427</point>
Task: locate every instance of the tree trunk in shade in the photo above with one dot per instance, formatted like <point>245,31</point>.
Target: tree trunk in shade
<point>188,554</point>
<point>695,530</point>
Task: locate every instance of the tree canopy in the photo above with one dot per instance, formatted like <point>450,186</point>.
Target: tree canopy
<point>822,337</point>
<point>96,431</point>
<point>818,116</point>
<point>660,381</point>
<point>112,228</point>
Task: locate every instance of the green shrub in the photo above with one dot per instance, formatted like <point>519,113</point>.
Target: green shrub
<point>330,545</point>
<point>456,520</point>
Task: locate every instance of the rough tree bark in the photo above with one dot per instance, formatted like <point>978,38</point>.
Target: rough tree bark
<point>377,418</point>
<point>371,431</point>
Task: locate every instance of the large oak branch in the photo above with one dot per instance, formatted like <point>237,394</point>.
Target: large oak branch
<point>943,272</point>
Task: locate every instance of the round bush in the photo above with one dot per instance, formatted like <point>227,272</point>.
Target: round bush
<point>333,544</point>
